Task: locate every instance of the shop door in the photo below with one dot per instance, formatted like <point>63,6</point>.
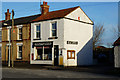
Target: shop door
<point>56,54</point>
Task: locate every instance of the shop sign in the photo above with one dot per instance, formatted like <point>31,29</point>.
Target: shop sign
<point>43,44</point>
<point>72,42</point>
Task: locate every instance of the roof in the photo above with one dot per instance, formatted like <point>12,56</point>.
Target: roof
<point>55,14</point>
<point>22,20</point>
<point>40,17</point>
<point>100,47</point>
<point>117,42</point>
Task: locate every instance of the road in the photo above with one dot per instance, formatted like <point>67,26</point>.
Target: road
<point>41,73</point>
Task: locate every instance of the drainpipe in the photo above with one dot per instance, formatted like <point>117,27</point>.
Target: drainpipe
<point>5,55</point>
<point>9,48</point>
<point>43,52</point>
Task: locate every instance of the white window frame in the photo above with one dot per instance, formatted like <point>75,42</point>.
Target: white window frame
<point>1,35</point>
<point>0,51</point>
<point>19,44</point>
<point>52,29</point>
<point>9,34</point>
<point>18,27</point>
<point>35,31</point>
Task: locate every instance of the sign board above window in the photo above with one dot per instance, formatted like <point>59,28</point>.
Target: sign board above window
<point>72,42</point>
<point>43,44</point>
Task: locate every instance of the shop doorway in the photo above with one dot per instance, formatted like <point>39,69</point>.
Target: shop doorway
<point>56,54</point>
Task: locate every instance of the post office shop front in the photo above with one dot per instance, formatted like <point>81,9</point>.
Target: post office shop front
<point>44,52</point>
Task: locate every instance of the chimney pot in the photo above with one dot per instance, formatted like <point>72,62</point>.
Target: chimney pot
<point>8,10</point>
<point>45,8</point>
<point>7,15</point>
<point>44,2</point>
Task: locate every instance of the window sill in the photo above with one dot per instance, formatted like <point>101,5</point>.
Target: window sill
<point>19,40</point>
<point>52,37</point>
<point>37,39</point>
<point>18,58</point>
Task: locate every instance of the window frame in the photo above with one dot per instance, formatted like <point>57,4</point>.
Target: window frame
<point>35,31</point>
<point>1,35</point>
<point>18,33</point>
<point>0,51</point>
<point>71,57</point>
<point>55,22</point>
<point>8,33</point>
<point>18,51</point>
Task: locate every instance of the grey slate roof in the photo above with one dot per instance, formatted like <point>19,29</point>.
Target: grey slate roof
<point>22,20</point>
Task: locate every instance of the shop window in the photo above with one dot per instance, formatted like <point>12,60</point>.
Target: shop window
<point>54,29</point>
<point>47,55</point>
<point>37,31</point>
<point>19,53</point>
<point>70,54</point>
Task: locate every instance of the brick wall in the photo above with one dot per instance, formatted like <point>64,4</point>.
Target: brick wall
<point>25,40</point>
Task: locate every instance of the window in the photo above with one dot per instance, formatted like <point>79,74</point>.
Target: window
<point>0,35</point>
<point>70,54</point>
<point>20,33</point>
<point>19,53</point>
<point>0,51</point>
<point>37,31</point>
<point>9,34</point>
<point>54,29</point>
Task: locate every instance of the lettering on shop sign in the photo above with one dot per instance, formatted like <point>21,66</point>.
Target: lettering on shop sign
<point>42,43</point>
<point>72,42</point>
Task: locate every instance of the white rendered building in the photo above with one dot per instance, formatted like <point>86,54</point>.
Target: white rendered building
<point>62,37</point>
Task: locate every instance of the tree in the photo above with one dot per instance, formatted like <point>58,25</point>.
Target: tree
<point>114,33</point>
<point>97,35</point>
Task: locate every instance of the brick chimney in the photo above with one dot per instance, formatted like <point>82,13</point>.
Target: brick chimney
<point>7,15</point>
<point>44,8</point>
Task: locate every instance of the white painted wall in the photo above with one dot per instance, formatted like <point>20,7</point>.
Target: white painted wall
<point>45,33</point>
<point>83,33</point>
<point>117,56</point>
<point>79,13</point>
<point>70,30</point>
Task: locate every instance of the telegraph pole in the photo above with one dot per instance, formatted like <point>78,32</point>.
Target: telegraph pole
<point>12,37</point>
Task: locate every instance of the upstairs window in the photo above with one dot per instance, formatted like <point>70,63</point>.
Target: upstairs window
<point>20,33</point>
<point>9,33</point>
<point>0,35</point>
<point>37,31</point>
<point>54,29</point>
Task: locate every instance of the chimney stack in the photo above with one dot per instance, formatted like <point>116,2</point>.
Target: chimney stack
<point>7,15</point>
<point>44,7</point>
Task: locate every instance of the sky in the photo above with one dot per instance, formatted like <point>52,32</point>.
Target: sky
<point>99,12</point>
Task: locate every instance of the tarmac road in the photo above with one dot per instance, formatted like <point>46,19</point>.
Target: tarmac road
<point>41,73</point>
